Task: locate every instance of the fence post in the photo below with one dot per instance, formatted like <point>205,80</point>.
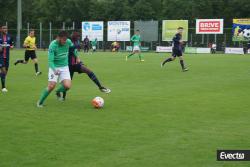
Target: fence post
<point>73,25</point>
<point>41,35</point>
<point>50,35</point>
<point>28,28</point>
<point>63,25</point>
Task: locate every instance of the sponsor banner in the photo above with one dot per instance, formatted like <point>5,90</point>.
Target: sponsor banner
<point>248,51</point>
<point>197,50</point>
<point>203,50</point>
<point>190,50</point>
<point>209,26</point>
<point>164,49</point>
<point>119,31</point>
<point>143,49</point>
<point>169,29</point>
<point>92,29</point>
<point>234,50</point>
<point>233,155</point>
<point>241,29</point>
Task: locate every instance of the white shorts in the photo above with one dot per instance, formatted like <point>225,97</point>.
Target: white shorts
<point>94,47</point>
<point>64,74</point>
<point>136,48</point>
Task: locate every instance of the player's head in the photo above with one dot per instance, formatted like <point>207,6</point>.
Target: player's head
<point>4,29</point>
<point>62,37</point>
<point>137,32</point>
<point>180,30</point>
<point>75,36</point>
<point>32,33</point>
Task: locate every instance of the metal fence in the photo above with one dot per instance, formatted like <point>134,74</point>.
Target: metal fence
<point>45,35</point>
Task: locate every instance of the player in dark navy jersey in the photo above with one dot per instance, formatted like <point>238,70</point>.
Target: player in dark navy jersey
<point>5,44</point>
<point>177,49</point>
<point>80,67</point>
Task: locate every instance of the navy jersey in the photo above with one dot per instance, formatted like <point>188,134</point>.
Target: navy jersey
<point>72,58</point>
<point>7,42</point>
<point>176,41</point>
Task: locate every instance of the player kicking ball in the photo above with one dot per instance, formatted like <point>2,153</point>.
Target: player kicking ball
<point>136,39</point>
<point>177,50</point>
<point>74,66</point>
<point>58,66</point>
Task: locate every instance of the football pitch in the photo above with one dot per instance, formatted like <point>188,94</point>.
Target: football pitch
<point>154,117</point>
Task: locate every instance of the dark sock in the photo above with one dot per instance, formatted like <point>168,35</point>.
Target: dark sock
<point>94,79</point>
<point>167,60</point>
<point>36,67</point>
<point>3,76</point>
<point>182,64</point>
<point>64,95</point>
<point>19,61</point>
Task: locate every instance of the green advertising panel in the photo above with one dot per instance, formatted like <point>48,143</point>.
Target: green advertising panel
<point>169,29</point>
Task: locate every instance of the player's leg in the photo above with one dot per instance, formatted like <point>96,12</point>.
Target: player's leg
<point>25,60</point>
<point>172,58</point>
<point>3,78</point>
<point>140,55</point>
<point>182,64</point>
<point>35,61</point>
<point>64,79</point>
<point>72,70</point>
<point>83,69</point>
<point>51,86</point>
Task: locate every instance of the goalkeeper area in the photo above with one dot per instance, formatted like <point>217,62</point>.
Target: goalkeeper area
<point>153,117</point>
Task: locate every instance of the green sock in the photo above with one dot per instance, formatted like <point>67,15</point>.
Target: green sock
<point>44,95</point>
<point>130,55</point>
<point>140,56</point>
<point>61,88</point>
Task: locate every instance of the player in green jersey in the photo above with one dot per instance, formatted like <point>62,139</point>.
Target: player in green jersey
<point>58,66</point>
<point>94,44</point>
<point>136,39</point>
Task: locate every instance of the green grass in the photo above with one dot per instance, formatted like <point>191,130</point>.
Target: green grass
<point>154,117</point>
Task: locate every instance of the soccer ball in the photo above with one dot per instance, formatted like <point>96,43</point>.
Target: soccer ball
<point>98,102</point>
<point>246,33</point>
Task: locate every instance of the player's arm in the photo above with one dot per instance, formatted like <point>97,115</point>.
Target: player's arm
<point>78,60</point>
<point>26,43</point>
<point>132,38</point>
<point>51,58</point>
<point>11,43</point>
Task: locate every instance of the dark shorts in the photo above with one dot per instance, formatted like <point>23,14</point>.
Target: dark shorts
<point>4,62</point>
<point>176,52</point>
<point>29,54</point>
<point>80,68</point>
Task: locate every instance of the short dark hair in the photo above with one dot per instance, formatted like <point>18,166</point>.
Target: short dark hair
<point>62,34</point>
<point>137,30</point>
<point>180,28</point>
<point>31,30</point>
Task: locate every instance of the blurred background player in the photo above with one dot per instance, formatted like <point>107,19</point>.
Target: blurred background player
<point>94,44</point>
<point>75,66</point>
<point>86,44</point>
<point>30,52</point>
<point>115,46</point>
<point>177,49</point>
<point>136,39</point>
<point>58,65</point>
<point>6,43</point>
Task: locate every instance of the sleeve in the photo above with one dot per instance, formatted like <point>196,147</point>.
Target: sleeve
<point>51,54</point>
<point>26,41</point>
<point>176,38</point>
<point>132,38</point>
<point>11,41</point>
<point>73,46</point>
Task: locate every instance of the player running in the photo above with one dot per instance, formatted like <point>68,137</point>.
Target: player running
<point>5,44</point>
<point>58,65</point>
<point>94,44</point>
<point>75,66</point>
<point>136,39</point>
<point>177,49</point>
<point>30,52</point>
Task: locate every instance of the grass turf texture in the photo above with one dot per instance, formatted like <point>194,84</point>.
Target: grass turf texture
<point>154,117</point>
